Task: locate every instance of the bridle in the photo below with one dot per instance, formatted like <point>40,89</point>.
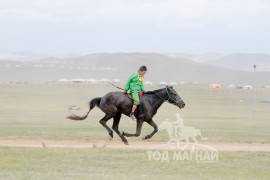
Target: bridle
<point>175,102</point>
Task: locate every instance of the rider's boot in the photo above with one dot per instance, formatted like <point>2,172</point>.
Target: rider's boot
<point>132,116</point>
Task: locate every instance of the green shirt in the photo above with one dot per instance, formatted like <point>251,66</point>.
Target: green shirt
<point>135,83</point>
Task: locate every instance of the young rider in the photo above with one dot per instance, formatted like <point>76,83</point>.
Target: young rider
<point>135,85</point>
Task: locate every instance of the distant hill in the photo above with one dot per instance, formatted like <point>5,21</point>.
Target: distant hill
<point>244,61</point>
<point>19,56</point>
<point>234,61</point>
<point>121,65</point>
<point>203,58</point>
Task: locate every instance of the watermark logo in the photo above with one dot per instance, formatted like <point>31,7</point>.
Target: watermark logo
<point>184,144</point>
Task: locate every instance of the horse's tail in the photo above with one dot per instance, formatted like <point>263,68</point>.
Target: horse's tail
<point>94,102</point>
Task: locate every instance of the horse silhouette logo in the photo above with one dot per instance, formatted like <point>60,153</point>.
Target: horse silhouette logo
<point>181,136</point>
<point>184,144</point>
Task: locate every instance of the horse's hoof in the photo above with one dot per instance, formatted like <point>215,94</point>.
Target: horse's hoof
<point>126,143</point>
<point>111,135</point>
<point>144,138</point>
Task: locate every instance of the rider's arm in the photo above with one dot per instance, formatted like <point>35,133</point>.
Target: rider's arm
<point>127,86</point>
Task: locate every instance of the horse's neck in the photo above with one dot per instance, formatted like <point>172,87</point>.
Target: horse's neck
<point>157,101</point>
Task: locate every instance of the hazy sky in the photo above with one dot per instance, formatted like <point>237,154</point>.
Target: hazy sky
<point>86,26</point>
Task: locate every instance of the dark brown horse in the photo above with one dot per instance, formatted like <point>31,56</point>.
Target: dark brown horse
<point>114,104</point>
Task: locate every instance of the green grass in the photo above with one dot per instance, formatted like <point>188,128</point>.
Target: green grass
<point>43,163</point>
<point>39,111</point>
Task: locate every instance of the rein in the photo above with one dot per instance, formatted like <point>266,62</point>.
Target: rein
<point>161,97</point>
<point>175,102</point>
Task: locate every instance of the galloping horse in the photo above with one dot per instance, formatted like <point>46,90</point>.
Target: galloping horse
<point>114,104</point>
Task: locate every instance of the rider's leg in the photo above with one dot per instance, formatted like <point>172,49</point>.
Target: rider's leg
<point>134,108</point>
<point>135,97</point>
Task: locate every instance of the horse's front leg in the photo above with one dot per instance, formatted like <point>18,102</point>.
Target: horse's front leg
<point>153,124</point>
<point>138,130</point>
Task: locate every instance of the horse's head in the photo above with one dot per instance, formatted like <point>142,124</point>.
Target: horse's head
<point>174,98</point>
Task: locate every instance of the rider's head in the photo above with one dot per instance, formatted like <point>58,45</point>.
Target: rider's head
<point>142,70</point>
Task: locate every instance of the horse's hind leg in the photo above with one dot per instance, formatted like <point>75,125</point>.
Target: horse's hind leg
<point>116,120</point>
<point>153,124</point>
<point>103,123</point>
<point>138,130</point>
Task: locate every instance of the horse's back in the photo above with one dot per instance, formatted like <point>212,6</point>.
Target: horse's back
<point>116,99</point>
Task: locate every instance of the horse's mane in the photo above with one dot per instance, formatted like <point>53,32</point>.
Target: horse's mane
<point>154,91</point>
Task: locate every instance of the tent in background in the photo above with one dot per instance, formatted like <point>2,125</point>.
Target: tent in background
<point>214,86</point>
